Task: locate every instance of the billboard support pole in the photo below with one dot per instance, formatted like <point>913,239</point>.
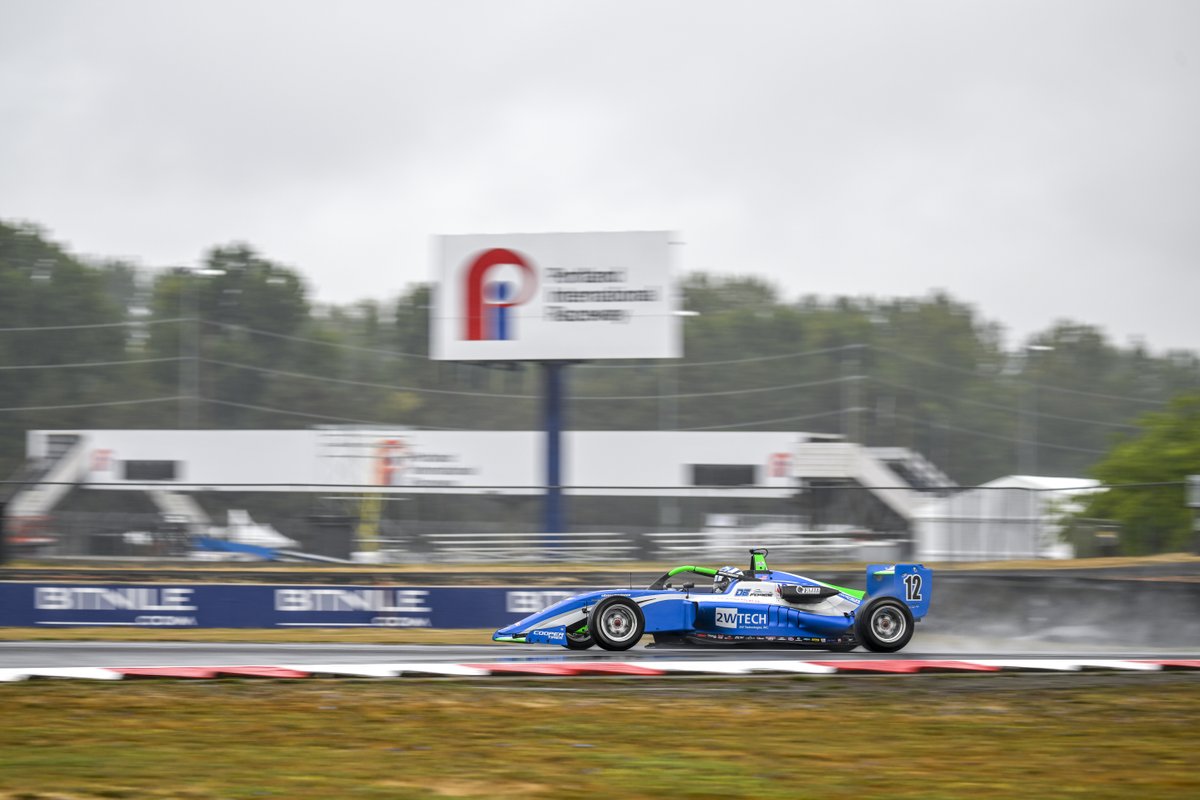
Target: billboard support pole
<point>552,424</point>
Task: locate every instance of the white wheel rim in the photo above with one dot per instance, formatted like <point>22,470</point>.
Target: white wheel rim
<point>618,623</point>
<point>888,624</point>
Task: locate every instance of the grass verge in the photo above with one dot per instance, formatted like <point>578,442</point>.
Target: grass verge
<point>926,737</point>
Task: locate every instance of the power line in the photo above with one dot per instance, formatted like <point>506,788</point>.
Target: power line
<point>1009,409</point>
<point>669,364</point>
<point>367,384</point>
<point>976,374</point>
<point>997,437</point>
<point>685,395</point>
<point>392,387</point>
<point>96,405</point>
<point>769,421</point>
<point>303,340</point>
<point>1047,387</point>
<point>91,363</point>
<point>93,325</point>
<point>679,365</point>
<point>288,412</point>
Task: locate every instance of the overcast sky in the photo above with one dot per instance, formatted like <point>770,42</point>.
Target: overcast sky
<point>1039,160</point>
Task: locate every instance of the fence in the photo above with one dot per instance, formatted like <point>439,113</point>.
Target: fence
<point>814,524</point>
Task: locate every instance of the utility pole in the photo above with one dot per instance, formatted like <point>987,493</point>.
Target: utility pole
<point>852,394</point>
<point>188,368</point>
<point>553,520</point>
<point>1193,501</point>
<point>189,347</point>
<point>1027,435</point>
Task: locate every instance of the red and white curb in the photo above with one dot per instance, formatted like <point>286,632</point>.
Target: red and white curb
<point>601,668</point>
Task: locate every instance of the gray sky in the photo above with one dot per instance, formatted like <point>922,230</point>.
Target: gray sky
<point>1036,159</point>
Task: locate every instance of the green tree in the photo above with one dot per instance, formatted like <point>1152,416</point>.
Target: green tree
<point>1152,519</point>
<point>58,318</point>
<point>238,317</point>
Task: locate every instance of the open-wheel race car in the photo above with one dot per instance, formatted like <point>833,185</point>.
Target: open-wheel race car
<point>758,606</point>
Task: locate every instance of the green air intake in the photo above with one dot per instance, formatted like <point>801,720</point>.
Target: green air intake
<point>697,570</point>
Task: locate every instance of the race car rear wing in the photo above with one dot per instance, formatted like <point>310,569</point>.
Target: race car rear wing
<point>911,583</point>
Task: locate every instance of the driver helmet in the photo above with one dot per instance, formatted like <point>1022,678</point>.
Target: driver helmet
<point>723,577</point>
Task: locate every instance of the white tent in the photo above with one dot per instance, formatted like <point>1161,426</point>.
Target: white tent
<point>1016,517</point>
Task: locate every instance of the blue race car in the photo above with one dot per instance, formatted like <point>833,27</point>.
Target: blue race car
<point>759,606</point>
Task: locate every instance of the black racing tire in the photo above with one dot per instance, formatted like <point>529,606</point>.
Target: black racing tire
<point>579,641</point>
<point>616,623</point>
<point>883,625</point>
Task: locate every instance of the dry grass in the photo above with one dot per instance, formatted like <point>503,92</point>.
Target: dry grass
<point>931,737</point>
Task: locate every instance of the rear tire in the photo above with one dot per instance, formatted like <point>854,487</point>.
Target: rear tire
<point>616,623</point>
<point>883,625</point>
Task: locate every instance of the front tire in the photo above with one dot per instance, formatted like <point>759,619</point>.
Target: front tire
<point>579,641</point>
<point>883,625</point>
<point>616,623</point>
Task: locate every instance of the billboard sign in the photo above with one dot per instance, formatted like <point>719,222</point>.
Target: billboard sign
<point>554,297</point>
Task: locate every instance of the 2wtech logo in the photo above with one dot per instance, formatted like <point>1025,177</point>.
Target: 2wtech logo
<point>732,618</point>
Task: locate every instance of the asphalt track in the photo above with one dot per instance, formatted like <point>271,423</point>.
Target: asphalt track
<point>16,654</point>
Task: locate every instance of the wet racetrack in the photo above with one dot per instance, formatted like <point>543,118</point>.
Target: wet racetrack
<point>140,654</point>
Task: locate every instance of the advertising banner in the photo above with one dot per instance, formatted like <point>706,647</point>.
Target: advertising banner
<point>554,297</point>
<point>200,605</point>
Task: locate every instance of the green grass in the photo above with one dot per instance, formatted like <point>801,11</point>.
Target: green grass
<point>925,737</point>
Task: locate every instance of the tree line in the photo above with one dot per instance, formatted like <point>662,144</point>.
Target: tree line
<point>239,343</point>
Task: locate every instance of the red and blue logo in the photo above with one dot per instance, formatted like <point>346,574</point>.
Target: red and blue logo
<point>488,301</point>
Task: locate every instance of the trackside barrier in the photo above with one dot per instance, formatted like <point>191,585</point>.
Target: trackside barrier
<point>201,605</point>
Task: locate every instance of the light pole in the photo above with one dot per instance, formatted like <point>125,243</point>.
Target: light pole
<point>1027,447</point>
<point>189,347</point>
<point>668,389</point>
<point>851,368</point>
<point>668,420</point>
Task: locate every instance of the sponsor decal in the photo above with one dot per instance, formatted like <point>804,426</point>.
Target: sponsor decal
<point>554,636</point>
<point>397,462</point>
<point>732,618</point>
<point>99,598</point>
<point>402,601</point>
<point>488,301</point>
<point>757,591</point>
<point>779,465</point>
<point>401,622</point>
<point>164,621</point>
<point>531,602</point>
